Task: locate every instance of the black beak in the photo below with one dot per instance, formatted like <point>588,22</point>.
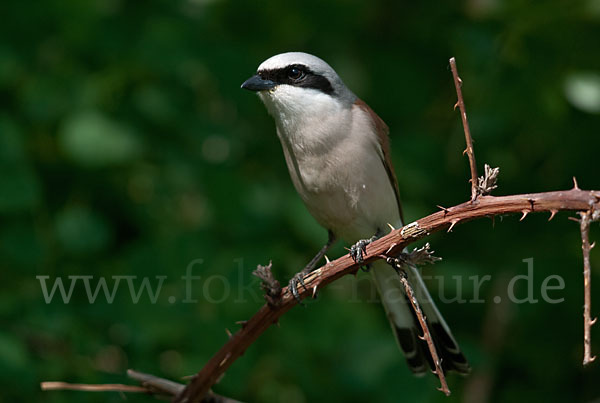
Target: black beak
<point>256,83</point>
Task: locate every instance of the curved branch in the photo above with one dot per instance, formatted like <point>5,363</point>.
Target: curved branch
<point>389,245</point>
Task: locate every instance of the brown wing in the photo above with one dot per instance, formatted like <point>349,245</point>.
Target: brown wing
<point>382,131</point>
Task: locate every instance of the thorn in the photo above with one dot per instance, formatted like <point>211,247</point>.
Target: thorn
<point>392,246</point>
<point>593,321</point>
<point>327,259</point>
<point>228,333</point>
<point>456,105</point>
<point>242,323</point>
<point>464,152</point>
<point>314,294</point>
<point>434,372</point>
<point>444,209</point>
<point>422,337</point>
<point>391,227</point>
<point>453,223</point>
<point>225,359</point>
<point>525,212</point>
<point>460,81</point>
<point>575,185</point>
<point>574,219</point>
<point>552,214</point>
<point>593,245</point>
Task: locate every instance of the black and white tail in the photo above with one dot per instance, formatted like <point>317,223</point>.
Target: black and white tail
<point>406,326</point>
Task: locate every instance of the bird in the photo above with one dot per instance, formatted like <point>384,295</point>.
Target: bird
<point>337,152</point>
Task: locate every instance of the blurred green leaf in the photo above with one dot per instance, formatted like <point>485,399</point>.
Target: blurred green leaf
<point>583,91</point>
<point>92,140</point>
<point>82,231</point>
<point>13,354</point>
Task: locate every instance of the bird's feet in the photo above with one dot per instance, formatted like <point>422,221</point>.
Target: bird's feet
<point>358,250</point>
<point>295,282</point>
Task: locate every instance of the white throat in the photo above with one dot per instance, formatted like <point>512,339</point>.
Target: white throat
<point>307,120</point>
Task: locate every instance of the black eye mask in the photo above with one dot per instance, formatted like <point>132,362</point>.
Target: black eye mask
<point>298,75</point>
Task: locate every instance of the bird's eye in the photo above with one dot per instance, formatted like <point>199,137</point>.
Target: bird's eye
<point>295,73</point>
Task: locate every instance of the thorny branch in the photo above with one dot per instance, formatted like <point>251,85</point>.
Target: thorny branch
<point>390,245</point>
<point>584,224</point>
<point>426,334</point>
<point>463,114</point>
<point>420,256</point>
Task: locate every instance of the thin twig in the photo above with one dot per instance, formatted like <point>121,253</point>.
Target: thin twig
<point>150,384</point>
<point>584,224</point>
<point>426,334</point>
<point>420,256</point>
<point>463,114</point>
<point>156,384</point>
<point>391,244</point>
<point>108,387</point>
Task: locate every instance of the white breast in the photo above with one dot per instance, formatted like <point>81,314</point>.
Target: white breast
<point>335,162</point>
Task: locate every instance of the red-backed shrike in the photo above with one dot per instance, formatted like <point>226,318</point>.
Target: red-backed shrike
<point>338,155</point>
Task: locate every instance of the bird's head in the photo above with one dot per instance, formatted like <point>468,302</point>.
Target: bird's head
<point>295,85</point>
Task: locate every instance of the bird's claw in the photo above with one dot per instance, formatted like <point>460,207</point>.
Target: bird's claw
<point>358,250</point>
<point>293,286</point>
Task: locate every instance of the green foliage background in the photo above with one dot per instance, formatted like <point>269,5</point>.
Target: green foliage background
<point>128,148</point>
